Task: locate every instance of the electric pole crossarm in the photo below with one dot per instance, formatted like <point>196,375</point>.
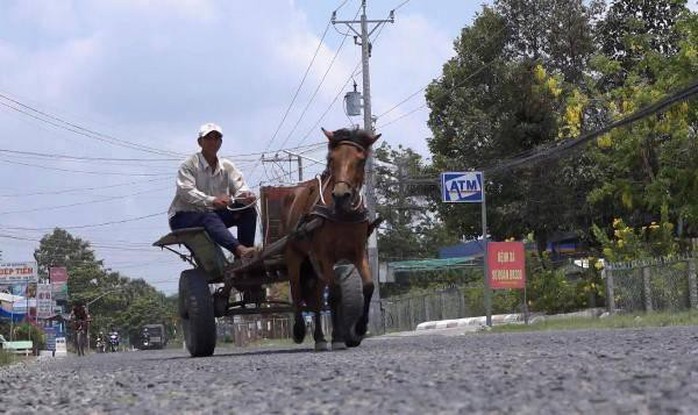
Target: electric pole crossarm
<point>349,22</point>
<point>302,156</point>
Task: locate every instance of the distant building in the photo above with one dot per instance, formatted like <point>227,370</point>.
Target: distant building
<point>561,246</point>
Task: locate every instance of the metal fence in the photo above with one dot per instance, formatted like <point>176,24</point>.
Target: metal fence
<point>404,313</point>
<point>245,332</point>
<point>660,284</point>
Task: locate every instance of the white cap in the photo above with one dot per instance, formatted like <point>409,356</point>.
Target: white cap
<point>209,127</point>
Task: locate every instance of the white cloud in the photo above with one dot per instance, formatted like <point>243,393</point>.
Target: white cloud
<point>151,71</point>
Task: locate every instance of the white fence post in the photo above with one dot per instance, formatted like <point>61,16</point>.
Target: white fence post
<point>646,290</point>
<point>692,284</point>
<point>607,276</point>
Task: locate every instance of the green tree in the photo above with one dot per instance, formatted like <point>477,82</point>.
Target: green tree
<point>60,248</point>
<point>652,163</point>
<point>520,101</point>
<point>410,229</point>
<point>114,299</point>
<point>633,28</point>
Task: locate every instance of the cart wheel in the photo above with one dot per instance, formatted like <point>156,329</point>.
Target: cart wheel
<point>352,305</point>
<point>196,311</point>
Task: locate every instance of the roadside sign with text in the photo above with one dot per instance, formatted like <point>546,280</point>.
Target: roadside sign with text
<point>17,272</point>
<point>462,187</point>
<point>44,302</point>
<point>506,264</point>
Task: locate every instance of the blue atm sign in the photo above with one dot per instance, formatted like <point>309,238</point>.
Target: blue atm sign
<point>462,187</point>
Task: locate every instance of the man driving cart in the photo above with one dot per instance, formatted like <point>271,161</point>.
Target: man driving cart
<point>212,193</point>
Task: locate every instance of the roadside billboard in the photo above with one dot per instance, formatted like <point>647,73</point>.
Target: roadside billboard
<point>59,281</point>
<point>506,263</point>
<point>18,273</point>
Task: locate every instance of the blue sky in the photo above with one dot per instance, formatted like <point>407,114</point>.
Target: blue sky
<point>132,80</point>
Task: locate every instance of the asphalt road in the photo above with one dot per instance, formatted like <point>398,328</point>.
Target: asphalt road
<point>601,372</point>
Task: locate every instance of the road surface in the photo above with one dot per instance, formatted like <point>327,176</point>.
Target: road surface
<point>601,372</point>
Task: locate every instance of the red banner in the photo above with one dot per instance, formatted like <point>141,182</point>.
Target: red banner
<point>506,263</point>
<point>58,274</point>
<point>59,282</point>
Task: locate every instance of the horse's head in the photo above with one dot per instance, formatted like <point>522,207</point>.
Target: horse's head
<point>346,159</point>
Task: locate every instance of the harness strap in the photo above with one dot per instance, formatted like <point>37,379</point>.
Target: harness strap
<point>354,216</point>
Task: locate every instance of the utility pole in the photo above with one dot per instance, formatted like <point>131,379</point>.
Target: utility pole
<point>365,43</point>
<point>289,158</point>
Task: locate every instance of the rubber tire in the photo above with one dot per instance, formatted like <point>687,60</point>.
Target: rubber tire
<point>196,311</point>
<point>352,303</point>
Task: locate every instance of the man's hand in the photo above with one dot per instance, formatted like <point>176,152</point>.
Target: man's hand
<point>242,251</point>
<point>221,201</point>
<point>247,197</point>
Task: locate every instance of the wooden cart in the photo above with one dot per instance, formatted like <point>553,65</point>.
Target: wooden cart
<point>205,289</point>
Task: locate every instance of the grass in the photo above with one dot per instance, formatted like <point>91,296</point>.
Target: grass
<point>6,357</point>
<point>617,321</point>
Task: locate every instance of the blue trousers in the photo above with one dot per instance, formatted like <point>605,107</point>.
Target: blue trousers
<point>217,223</point>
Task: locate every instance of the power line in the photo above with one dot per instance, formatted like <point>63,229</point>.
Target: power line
<point>400,5</point>
<point>477,71</point>
<point>75,128</point>
<point>105,173</point>
<point>409,97</point>
<point>305,76</point>
<point>82,189</point>
<point>84,158</point>
<point>558,149</point>
<point>96,225</point>
<point>102,200</point>
<point>329,107</point>
<point>238,158</point>
<point>324,76</point>
<point>357,70</point>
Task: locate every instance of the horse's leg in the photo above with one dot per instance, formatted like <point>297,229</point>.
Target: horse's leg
<point>318,335</point>
<point>81,347</point>
<point>293,264</point>
<point>335,300</point>
<point>368,287</point>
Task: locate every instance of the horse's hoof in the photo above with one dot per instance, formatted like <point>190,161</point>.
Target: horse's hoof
<point>320,346</point>
<point>339,346</point>
<point>298,333</point>
<point>353,343</point>
<point>361,327</point>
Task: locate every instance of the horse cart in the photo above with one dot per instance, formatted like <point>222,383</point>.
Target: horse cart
<point>205,289</point>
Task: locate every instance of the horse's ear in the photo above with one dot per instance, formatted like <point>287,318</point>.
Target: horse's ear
<point>372,139</point>
<point>328,134</point>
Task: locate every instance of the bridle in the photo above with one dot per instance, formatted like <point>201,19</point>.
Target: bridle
<point>356,192</point>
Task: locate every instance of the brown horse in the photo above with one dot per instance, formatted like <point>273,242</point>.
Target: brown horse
<point>312,261</point>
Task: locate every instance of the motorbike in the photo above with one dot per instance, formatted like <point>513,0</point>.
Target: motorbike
<point>113,341</point>
<point>100,345</point>
<point>145,342</point>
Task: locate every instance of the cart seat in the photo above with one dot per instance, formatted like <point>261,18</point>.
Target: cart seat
<point>207,254</point>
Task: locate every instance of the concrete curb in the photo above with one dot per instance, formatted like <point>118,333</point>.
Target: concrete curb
<point>470,322</point>
<point>498,319</point>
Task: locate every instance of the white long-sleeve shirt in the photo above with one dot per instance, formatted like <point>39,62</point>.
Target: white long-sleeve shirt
<point>198,184</point>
